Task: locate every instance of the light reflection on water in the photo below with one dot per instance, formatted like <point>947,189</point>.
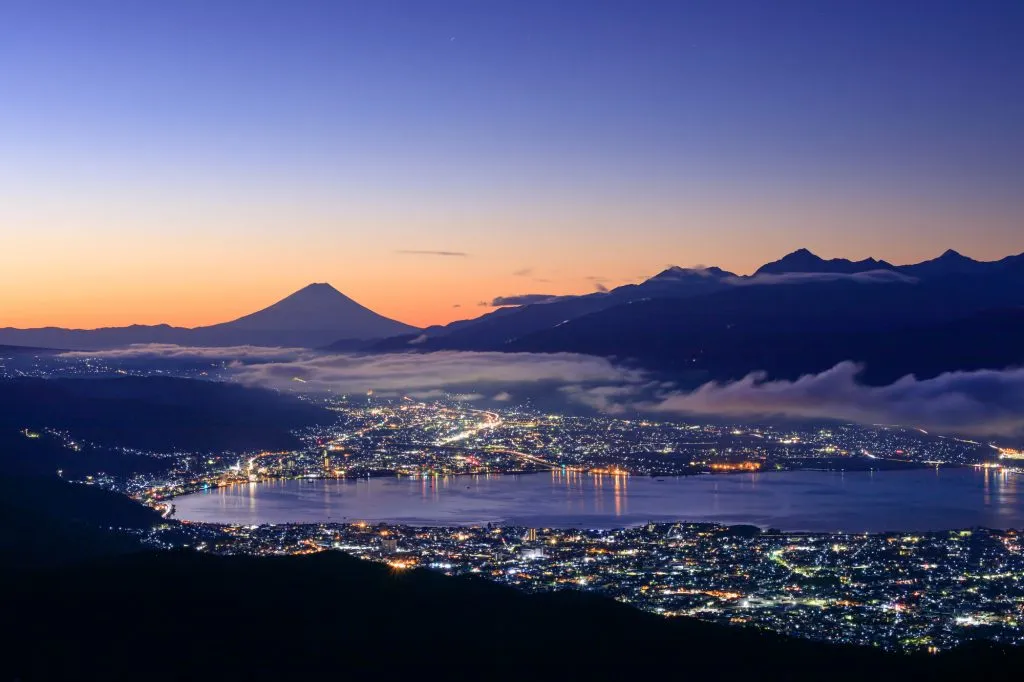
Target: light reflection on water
<point>925,499</point>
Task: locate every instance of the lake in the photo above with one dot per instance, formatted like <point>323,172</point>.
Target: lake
<point>916,500</point>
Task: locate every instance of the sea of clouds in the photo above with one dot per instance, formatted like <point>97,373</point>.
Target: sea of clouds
<point>985,402</point>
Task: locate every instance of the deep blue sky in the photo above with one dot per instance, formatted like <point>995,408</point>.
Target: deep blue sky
<point>202,141</point>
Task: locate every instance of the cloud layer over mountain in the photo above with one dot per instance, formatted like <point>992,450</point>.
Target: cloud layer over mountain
<point>867,277</point>
<point>985,402</point>
<point>455,371</point>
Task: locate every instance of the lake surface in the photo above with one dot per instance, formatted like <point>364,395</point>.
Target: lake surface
<point>923,499</point>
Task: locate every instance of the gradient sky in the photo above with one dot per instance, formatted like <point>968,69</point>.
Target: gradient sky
<point>188,162</point>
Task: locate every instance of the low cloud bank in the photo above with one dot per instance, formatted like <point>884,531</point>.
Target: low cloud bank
<point>495,374</point>
<point>867,277</point>
<point>986,402</point>
<point>521,299</point>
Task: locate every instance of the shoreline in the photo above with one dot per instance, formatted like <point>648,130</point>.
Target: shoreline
<point>706,504</point>
<point>900,466</point>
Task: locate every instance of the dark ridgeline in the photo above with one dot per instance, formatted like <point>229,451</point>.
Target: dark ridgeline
<point>801,314</point>
<point>83,600</point>
<point>93,606</point>
<point>155,413</point>
<point>152,414</point>
<point>802,260</point>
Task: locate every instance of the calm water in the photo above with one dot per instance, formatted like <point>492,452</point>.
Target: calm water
<point>924,499</point>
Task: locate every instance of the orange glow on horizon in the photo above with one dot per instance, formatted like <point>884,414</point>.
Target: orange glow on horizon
<point>83,268</point>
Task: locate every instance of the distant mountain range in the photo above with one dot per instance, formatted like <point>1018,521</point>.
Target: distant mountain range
<point>314,316</point>
<point>793,316</point>
<point>797,315</point>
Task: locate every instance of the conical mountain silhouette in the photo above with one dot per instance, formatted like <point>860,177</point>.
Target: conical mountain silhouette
<point>314,316</point>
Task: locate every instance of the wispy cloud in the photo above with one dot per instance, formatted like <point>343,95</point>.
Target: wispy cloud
<point>521,299</point>
<point>600,287</point>
<point>984,402</point>
<point>420,252</point>
<point>524,272</point>
<point>448,371</point>
<point>987,402</point>
<point>868,277</point>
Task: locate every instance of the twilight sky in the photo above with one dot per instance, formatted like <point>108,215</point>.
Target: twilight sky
<point>191,161</point>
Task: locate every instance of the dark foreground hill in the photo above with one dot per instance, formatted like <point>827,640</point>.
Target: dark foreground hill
<point>93,606</point>
<point>191,616</point>
<point>159,414</point>
<point>47,521</point>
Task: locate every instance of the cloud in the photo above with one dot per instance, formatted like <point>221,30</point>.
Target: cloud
<point>524,272</point>
<point>868,277</point>
<point>522,299</point>
<point>600,287</point>
<point>422,338</point>
<point>436,394</point>
<point>612,399</point>
<point>985,402</point>
<point>447,371</point>
<point>419,252</point>
<point>456,305</point>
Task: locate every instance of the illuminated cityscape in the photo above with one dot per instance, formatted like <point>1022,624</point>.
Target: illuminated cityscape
<point>921,591</point>
<point>901,591</point>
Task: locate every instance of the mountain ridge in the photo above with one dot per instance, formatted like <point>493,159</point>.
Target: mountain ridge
<point>320,316</point>
<point>804,260</point>
<point>312,316</point>
<point>710,324</point>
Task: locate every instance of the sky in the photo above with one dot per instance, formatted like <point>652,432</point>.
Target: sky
<point>191,161</point>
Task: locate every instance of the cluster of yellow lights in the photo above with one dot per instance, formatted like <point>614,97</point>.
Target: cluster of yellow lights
<point>736,466</point>
<point>614,471</point>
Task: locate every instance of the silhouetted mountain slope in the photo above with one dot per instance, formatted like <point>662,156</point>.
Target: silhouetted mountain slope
<point>24,350</point>
<point>790,329</point>
<point>496,329</point>
<point>84,603</point>
<point>311,317</point>
<point>189,616</point>
<point>803,260</point>
<point>48,521</point>
<point>987,340</point>
<point>91,339</point>
<point>950,263</point>
<point>966,282</point>
<point>160,414</point>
